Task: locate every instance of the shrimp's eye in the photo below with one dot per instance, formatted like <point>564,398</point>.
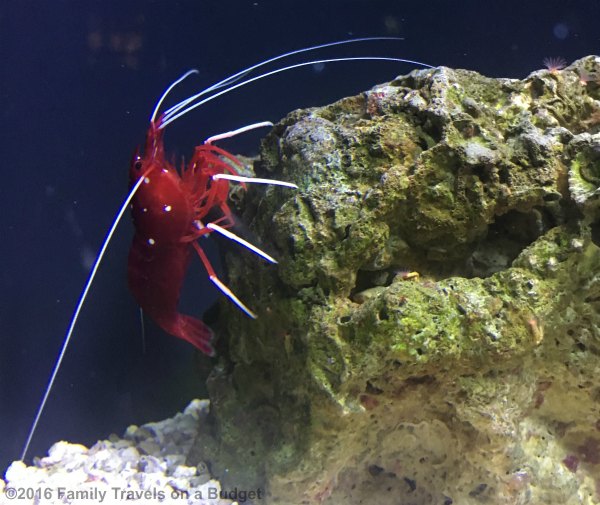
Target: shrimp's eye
<point>137,164</point>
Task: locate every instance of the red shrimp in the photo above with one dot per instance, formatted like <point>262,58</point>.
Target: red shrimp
<point>164,210</point>
<point>168,209</point>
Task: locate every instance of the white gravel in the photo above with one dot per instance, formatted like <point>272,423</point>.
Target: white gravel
<point>147,465</point>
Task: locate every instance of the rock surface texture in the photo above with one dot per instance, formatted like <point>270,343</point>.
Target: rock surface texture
<point>431,334</point>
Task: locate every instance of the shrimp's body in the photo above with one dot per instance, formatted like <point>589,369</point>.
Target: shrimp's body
<point>168,213</point>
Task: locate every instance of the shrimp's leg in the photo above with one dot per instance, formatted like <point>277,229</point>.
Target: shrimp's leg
<point>254,180</point>
<point>232,236</point>
<point>224,289</point>
<point>233,133</point>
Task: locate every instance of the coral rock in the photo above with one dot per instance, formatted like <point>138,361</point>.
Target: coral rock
<point>430,334</point>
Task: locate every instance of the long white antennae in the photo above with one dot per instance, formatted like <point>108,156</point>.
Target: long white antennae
<point>233,78</point>
<point>167,119</point>
<point>168,90</point>
<point>82,298</point>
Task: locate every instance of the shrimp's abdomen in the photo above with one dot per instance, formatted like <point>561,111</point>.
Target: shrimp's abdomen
<point>155,275</point>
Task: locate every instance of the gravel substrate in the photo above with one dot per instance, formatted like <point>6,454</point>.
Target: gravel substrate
<point>147,465</point>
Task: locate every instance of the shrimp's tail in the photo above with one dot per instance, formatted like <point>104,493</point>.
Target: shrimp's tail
<point>188,328</point>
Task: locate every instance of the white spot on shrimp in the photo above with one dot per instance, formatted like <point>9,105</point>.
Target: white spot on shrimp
<point>167,208</point>
<point>146,180</point>
<point>151,241</point>
<point>144,209</point>
<point>165,170</point>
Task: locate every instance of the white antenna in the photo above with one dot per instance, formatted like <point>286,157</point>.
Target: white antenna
<point>169,117</point>
<point>168,90</point>
<point>235,77</point>
<point>75,317</point>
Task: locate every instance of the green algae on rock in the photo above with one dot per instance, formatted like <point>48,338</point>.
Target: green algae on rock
<point>361,382</point>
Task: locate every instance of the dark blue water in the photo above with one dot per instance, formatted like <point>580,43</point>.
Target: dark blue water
<point>78,81</point>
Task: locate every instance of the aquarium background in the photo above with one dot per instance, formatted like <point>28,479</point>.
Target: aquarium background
<point>79,81</point>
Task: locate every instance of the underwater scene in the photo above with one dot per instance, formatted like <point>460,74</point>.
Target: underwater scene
<point>297,253</point>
